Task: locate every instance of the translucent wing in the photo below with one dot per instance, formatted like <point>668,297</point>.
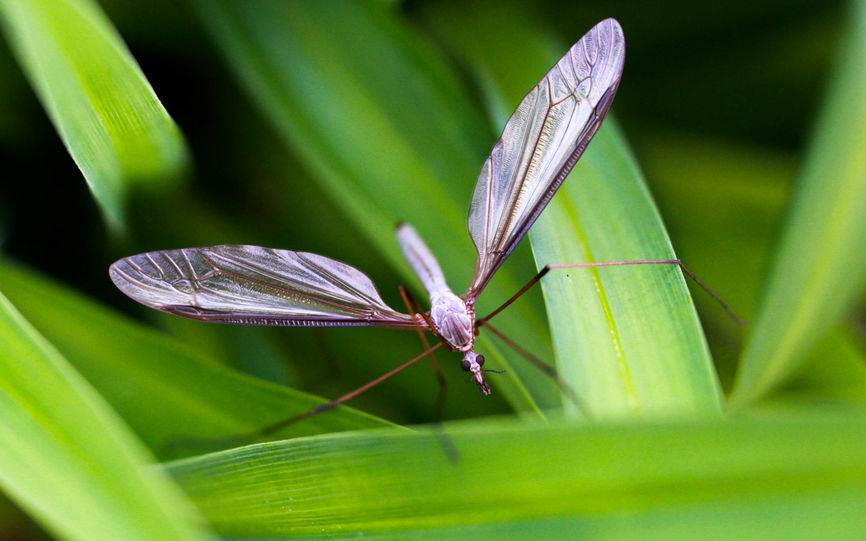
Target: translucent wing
<point>540,144</point>
<point>251,285</point>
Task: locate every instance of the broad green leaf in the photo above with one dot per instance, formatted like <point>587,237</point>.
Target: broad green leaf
<point>385,126</point>
<point>722,202</point>
<point>67,458</point>
<point>101,104</point>
<point>176,399</point>
<point>742,480</point>
<point>723,206</point>
<point>819,265</point>
<point>627,339</point>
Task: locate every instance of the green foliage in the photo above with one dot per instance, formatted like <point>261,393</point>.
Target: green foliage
<point>739,477</point>
<point>818,267</point>
<point>318,126</point>
<point>623,354</point>
<point>195,396</point>
<point>372,76</point>
<point>99,101</point>
<point>67,457</point>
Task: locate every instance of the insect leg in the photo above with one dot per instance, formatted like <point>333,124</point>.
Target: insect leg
<point>270,429</point>
<point>541,365</point>
<point>211,443</point>
<point>413,308</point>
<point>676,262</point>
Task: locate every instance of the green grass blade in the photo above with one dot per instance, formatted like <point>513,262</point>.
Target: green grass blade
<point>722,206</point>
<point>741,479</point>
<point>735,198</point>
<point>169,393</point>
<point>102,106</point>
<point>67,458</point>
<point>384,124</point>
<point>819,265</point>
<point>627,339</point>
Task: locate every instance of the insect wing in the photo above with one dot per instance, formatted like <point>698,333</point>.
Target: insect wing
<point>541,142</point>
<point>251,285</point>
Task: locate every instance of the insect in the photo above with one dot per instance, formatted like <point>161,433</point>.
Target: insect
<point>539,146</point>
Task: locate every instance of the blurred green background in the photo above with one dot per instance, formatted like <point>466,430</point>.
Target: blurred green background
<point>717,102</point>
<point>287,110</point>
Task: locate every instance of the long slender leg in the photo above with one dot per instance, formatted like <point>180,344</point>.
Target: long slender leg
<point>543,366</point>
<point>413,308</point>
<point>270,429</point>
<point>447,445</point>
<point>677,262</point>
<point>182,443</point>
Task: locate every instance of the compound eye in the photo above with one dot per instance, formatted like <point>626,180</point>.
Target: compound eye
<point>480,360</point>
<point>466,365</point>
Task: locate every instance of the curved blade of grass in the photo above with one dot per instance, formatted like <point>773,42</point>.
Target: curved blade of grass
<point>819,265</point>
<point>102,106</point>
<point>175,398</point>
<point>724,204</point>
<point>746,479</point>
<point>67,458</point>
<point>730,520</point>
<point>627,339</point>
<point>385,126</point>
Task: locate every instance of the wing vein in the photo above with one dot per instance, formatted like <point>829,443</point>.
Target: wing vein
<point>255,286</point>
<point>540,145</point>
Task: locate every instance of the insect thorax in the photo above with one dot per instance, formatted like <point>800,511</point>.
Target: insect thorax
<point>454,319</point>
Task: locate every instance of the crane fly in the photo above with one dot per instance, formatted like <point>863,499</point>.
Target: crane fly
<point>539,146</point>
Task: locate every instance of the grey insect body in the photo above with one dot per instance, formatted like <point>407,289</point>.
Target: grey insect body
<point>540,144</point>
